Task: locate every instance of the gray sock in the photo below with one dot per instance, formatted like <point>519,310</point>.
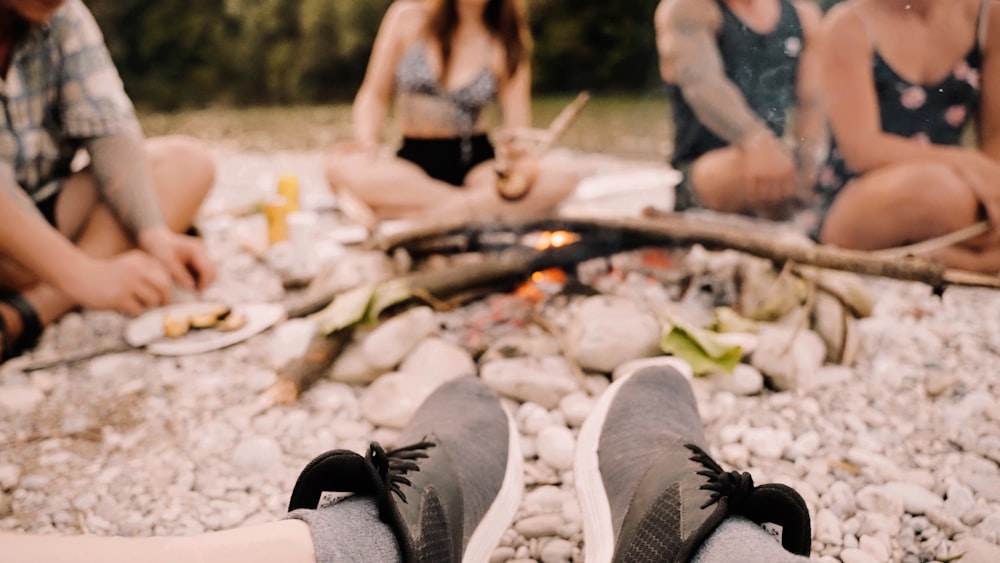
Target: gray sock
<point>350,531</point>
<point>739,539</point>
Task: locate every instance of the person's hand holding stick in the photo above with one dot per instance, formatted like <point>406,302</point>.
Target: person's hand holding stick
<point>514,179</point>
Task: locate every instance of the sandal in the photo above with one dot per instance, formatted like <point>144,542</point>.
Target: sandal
<point>31,328</point>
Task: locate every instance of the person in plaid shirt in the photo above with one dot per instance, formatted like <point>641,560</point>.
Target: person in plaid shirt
<point>105,236</point>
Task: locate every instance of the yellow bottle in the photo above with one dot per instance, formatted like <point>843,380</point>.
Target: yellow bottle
<point>288,188</point>
<point>276,210</point>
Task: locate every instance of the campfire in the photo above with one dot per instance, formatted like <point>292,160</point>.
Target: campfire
<point>534,263</point>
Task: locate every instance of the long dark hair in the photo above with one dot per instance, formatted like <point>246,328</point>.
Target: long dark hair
<point>504,19</point>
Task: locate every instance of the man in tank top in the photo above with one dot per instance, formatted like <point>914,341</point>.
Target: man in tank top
<point>736,71</point>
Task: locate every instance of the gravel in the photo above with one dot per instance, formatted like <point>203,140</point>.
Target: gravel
<point>897,456</point>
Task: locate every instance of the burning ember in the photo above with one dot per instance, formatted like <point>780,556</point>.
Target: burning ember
<point>541,284</point>
<point>550,239</point>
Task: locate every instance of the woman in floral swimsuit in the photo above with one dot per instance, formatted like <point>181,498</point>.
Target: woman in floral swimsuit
<point>904,79</point>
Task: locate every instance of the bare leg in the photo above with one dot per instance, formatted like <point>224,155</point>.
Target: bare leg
<point>479,198</point>
<point>286,540</point>
<point>183,173</point>
<point>717,180</point>
<point>395,188</point>
<point>906,203</point>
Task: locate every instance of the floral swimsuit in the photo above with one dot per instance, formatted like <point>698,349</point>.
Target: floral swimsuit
<point>930,113</point>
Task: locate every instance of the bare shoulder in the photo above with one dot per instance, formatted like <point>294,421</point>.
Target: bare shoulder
<point>810,14</point>
<point>406,17</point>
<point>687,15</point>
<point>843,27</point>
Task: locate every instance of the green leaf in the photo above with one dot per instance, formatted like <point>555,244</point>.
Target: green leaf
<point>700,348</point>
<point>728,320</point>
<point>346,310</point>
<point>387,294</point>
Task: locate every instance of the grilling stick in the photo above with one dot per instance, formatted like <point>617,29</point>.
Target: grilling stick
<point>513,186</point>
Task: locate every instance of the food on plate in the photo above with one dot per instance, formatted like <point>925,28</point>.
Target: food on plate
<point>175,326</point>
<point>232,321</point>
<point>219,317</point>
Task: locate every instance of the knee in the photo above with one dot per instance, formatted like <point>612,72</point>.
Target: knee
<point>938,196</point>
<point>560,177</point>
<point>341,169</point>
<point>191,156</point>
<point>717,181</point>
<point>901,204</point>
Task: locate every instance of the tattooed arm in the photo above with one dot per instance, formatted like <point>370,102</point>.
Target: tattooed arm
<point>690,59</point>
<point>121,170</point>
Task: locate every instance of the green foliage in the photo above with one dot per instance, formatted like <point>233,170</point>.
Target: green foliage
<point>595,45</point>
<point>173,53</point>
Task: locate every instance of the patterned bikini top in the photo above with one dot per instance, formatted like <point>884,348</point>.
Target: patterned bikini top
<point>414,75</point>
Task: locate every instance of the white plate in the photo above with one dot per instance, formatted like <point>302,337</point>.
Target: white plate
<point>622,194</point>
<point>147,329</point>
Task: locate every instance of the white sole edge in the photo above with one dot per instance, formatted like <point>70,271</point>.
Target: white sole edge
<point>598,532</point>
<point>497,519</point>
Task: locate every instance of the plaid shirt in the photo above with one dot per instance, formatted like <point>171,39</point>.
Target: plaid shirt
<point>61,89</point>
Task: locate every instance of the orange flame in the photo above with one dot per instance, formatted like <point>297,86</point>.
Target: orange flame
<point>555,239</point>
<point>535,288</point>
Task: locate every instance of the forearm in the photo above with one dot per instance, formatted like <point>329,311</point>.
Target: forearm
<point>884,149</point>
<point>721,108</point>
<point>27,239</point>
<point>368,114</point>
<point>125,181</point>
<point>812,139</point>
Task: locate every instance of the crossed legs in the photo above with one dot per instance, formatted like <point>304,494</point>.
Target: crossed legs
<point>395,188</point>
<point>183,174</point>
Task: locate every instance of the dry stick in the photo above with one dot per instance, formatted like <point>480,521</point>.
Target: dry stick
<point>936,243</point>
<point>433,287</point>
<point>302,372</point>
<point>512,186</point>
<point>686,228</point>
<point>858,308</point>
<point>659,227</point>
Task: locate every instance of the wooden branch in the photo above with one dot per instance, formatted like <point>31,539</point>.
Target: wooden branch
<point>301,373</point>
<point>937,243</point>
<point>756,237</point>
<point>690,229</point>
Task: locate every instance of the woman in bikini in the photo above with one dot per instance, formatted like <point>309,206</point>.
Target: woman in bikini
<point>903,80</point>
<point>445,62</point>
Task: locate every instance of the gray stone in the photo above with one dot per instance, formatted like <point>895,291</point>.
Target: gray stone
<point>394,398</point>
<point>541,380</point>
<point>9,476</point>
<point>386,346</point>
<point>556,446</point>
<point>257,454</point>
<point>19,399</point>
<point>434,357</point>
<point>609,331</point>
<point>745,380</point>
<point>915,499</point>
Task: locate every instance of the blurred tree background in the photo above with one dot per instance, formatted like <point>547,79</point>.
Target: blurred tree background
<point>174,53</point>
